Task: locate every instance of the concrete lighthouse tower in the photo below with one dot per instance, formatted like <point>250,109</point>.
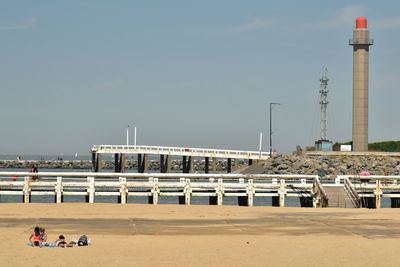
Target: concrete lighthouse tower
<point>360,43</point>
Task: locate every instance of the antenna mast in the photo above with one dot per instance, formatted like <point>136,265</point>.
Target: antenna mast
<point>324,102</point>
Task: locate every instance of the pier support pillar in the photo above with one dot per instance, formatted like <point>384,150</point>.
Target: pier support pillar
<point>206,165</point>
<point>229,165</point>
<point>162,164</point>
<point>242,200</point>
<point>122,163</point>
<point>191,164</point>
<point>139,163</point>
<point>96,162</point>
<point>143,163</point>
<point>117,167</point>
<point>165,163</point>
<point>93,161</point>
<point>214,165</point>
<point>368,202</point>
<point>99,163</point>
<point>181,199</point>
<point>306,202</point>
<point>188,164</point>
<point>184,163</point>
<point>395,202</point>
<point>168,163</point>
<point>212,200</point>
<point>275,201</point>
<point>250,162</point>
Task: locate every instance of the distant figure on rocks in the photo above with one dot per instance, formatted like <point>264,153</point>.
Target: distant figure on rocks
<point>364,174</point>
<point>34,169</point>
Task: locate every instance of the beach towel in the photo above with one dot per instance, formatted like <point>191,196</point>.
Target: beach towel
<point>47,245</point>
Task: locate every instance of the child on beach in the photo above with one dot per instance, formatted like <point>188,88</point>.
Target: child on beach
<point>60,242</point>
<point>43,235</point>
<point>35,239</point>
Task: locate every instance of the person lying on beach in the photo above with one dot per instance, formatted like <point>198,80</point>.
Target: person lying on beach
<point>60,242</point>
<point>35,239</point>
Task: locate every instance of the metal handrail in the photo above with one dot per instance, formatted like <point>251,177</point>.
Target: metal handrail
<point>352,193</point>
<point>320,190</point>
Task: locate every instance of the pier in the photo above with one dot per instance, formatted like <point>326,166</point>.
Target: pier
<point>120,152</point>
<point>157,185</point>
<point>344,191</point>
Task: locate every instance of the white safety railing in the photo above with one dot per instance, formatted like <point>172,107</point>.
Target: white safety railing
<point>155,185</point>
<point>180,151</point>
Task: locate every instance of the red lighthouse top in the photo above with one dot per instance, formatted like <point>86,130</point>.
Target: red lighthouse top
<point>361,23</point>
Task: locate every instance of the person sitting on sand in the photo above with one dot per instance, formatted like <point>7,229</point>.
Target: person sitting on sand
<point>35,238</point>
<point>43,235</point>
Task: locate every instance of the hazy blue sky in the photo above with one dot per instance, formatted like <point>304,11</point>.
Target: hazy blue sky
<point>196,73</point>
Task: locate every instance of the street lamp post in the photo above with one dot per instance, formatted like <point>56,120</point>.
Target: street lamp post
<point>127,136</point>
<point>270,126</point>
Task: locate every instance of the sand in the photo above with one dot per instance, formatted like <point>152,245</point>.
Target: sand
<point>173,235</point>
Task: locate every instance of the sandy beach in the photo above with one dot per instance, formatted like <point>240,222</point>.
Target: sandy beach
<point>173,235</point>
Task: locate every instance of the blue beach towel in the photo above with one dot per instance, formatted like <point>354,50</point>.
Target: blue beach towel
<point>44,246</point>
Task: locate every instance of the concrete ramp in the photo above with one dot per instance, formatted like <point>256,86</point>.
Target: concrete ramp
<point>338,198</point>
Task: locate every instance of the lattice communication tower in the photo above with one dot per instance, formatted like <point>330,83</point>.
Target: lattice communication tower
<point>324,102</point>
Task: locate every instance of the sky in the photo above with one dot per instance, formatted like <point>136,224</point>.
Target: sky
<point>188,73</point>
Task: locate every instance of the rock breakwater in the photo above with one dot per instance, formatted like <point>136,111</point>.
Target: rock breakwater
<point>281,164</point>
<point>328,165</point>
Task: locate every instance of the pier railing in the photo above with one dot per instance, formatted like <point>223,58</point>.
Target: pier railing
<point>372,188</point>
<point>156,185</point>
<point>321,196</point>
<point>365,190</point>
<point>180,151</point>
<point>351,192</point>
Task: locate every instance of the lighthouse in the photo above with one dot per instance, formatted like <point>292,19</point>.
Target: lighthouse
<point>361,43</point>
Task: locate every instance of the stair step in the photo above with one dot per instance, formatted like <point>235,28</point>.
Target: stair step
<point>338,197</point>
